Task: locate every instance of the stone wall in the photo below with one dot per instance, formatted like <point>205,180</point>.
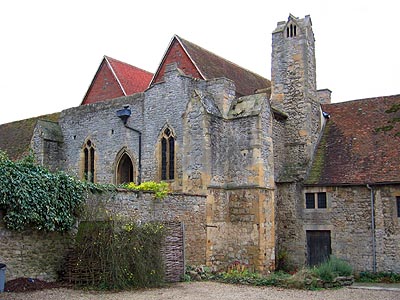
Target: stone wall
<point>187,209</point>
<point>99,123</point>
<point>293,82</point>
<point>348,218</point>
<point>241,228</point>
<point>40,255</point>
<point>31,253</point>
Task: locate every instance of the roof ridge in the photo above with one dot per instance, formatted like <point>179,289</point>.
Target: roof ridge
<point>125,63</point>
<point>363,99</point>
<point>220,57</point>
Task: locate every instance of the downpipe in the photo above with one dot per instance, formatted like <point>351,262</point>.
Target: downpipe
<point>373,228</point>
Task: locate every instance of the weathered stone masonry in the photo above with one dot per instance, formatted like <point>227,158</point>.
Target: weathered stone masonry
<point>41,255</point>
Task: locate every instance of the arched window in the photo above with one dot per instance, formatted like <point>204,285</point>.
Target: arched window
<point>125,173</point>
<point>291,30</point>
<point>167,155</point>
<point>89,162</point>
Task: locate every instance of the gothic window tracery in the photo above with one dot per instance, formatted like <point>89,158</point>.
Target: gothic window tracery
<point>167,155</point>
<point>89,161</point>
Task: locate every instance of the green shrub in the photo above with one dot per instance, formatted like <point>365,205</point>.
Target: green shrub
<point>33,197</point>
<point>333,268</point>
<point>160,189</point>
<point>247,277</point>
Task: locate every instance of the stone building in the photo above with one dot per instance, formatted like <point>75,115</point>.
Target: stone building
<point>274,167</point>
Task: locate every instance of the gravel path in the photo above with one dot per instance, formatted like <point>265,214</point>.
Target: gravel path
<point>207,291</point>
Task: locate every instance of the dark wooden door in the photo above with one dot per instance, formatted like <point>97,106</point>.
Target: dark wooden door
<point>318,246</point>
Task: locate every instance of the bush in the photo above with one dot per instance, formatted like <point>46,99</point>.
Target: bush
<point>247,277</point>
<point>333,268</point>
<point>33,197</point>
<point>160,189</point>
<point>117,255</point>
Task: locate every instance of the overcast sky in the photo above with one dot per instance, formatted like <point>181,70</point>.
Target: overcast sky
<point>50,50</point>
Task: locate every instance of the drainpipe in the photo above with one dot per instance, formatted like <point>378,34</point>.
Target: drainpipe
<point>124,114</point>
<point>373,228</point>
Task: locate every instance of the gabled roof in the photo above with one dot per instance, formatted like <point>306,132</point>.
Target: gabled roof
<point>15,137</point>
<point>130,79</point>
<point>210,65</point>
<point>360,143</point>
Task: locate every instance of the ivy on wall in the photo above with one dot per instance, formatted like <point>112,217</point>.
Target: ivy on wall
<point>33,197</point>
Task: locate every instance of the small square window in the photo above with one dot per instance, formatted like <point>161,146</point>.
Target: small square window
<point>322,200</point>
<point>310,200</point>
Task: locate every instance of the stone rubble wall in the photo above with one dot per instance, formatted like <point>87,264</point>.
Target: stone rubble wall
<point>40,255</point>
<point>348,217</point>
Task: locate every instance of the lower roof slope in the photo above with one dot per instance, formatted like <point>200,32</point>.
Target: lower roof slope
<point>15,137</point>
<point>360,143</point>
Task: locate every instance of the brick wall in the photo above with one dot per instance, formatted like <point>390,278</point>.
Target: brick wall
<point>104,86</point>
<point>176,54</point>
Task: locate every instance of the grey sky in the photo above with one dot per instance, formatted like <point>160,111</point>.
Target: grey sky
<point>51,50</point>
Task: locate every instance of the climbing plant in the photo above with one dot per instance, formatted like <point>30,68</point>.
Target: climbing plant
<point>33,197</point>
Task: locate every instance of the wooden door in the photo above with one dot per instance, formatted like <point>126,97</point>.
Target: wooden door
<point>318,246</point>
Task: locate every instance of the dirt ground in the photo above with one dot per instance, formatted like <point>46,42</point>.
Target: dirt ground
<point>206,291</point>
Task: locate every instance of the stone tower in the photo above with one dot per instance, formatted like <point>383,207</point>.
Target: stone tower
<point>293,92</point>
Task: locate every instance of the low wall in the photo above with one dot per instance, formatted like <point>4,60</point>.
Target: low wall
<point>32,253</point>
<point>40,255</point>
<point>187,209</point>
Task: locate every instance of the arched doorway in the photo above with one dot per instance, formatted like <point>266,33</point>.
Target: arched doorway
<point>125,173</point>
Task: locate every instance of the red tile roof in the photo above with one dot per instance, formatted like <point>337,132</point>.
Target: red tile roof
<point>132,79</point>
<point>360,143</point>
<point>115,78</point>
<point>210,65</point>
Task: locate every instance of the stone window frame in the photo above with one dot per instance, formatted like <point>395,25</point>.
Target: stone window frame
<point>166,134</point>
<point>291,30</point>
<point>121,153</point>
<point>89,155</point>
<point>316,192</point>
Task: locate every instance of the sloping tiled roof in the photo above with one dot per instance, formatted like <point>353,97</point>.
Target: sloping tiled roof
<point>210,66</point>
<point>360,143</point>
<point>132,79</point>
<point>15,137</point>
<point>115,79</point>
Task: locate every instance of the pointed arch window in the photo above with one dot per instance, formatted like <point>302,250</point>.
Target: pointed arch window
<point>125,170</point>
<point>167,155</point>
<point>291,30</point>
<point>89,161</point>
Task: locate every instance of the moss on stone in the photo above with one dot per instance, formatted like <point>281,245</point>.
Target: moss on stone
<point>317,167</point>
